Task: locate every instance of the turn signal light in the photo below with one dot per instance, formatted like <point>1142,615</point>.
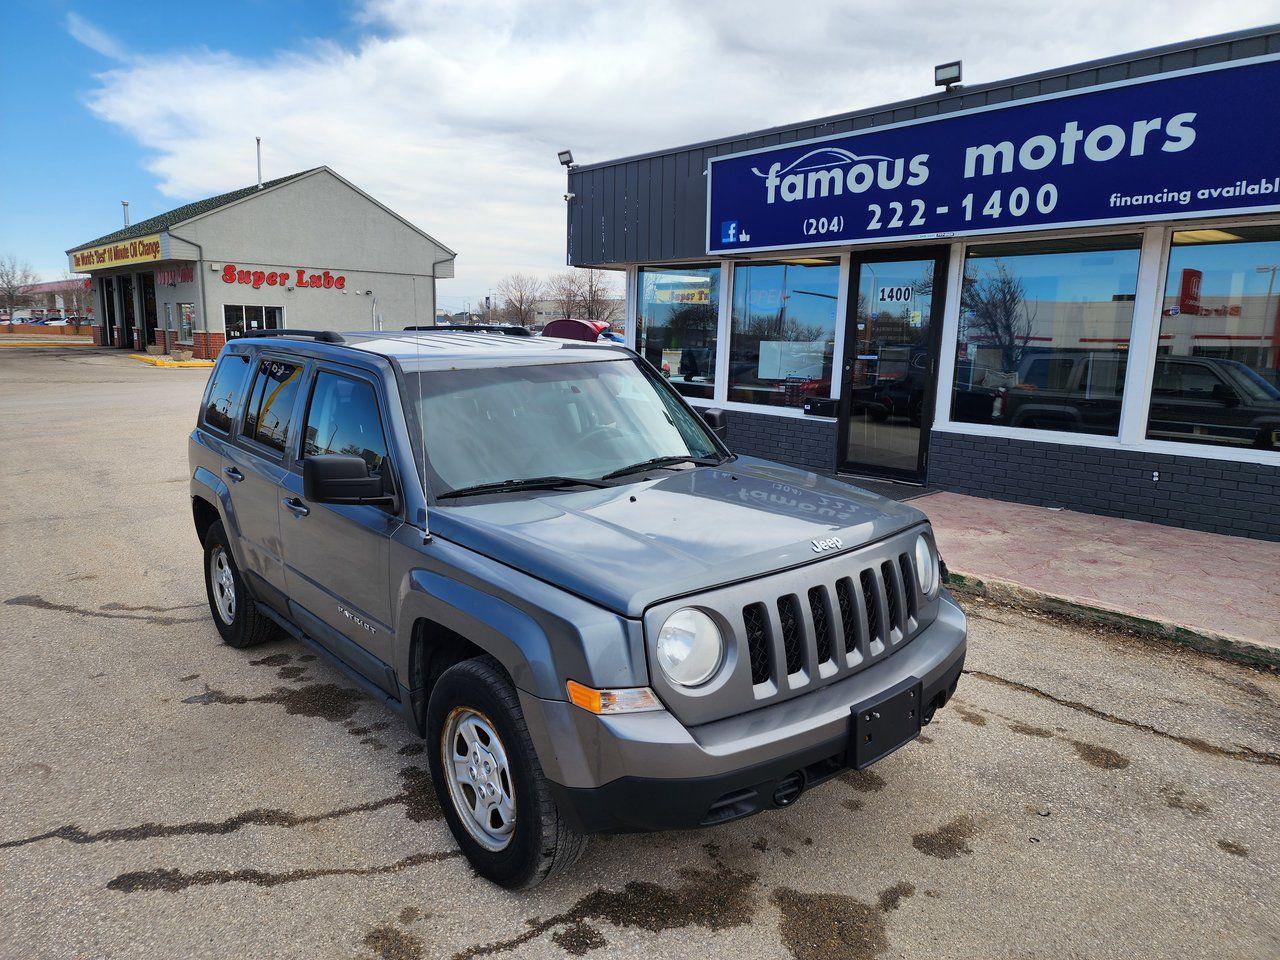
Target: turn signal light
<point>623,700</point>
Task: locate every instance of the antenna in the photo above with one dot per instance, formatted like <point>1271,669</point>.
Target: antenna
<point>125,205</point>
<point>258,140</point>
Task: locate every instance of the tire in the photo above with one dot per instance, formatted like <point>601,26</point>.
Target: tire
<point>538,843</point>
<point>245,626</point>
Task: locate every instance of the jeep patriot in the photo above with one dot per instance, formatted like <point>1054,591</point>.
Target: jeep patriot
<point>598,617</point>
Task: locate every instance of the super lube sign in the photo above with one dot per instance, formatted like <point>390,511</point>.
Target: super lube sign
<point>1188,144</point>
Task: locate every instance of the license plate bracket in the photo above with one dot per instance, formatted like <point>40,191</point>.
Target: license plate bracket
<point>884,723</point>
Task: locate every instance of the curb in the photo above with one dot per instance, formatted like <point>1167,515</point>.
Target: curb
<point>1215,644</point>
<point>159,362</point>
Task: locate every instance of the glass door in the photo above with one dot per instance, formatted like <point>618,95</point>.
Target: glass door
<point>890,366</point>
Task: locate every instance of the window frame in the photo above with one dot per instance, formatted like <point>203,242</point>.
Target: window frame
<point>289,453</point>
<point>1153,266</point>
<point>321,369</point>
<point>233,414</point>
<point>631,323</point>
<point>191,331</point>
<point>951,331</point>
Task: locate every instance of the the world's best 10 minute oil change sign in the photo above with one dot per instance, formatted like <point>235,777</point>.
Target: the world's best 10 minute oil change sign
<point>1192,143</point>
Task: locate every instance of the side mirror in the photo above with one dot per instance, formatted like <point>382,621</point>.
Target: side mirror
<point>717,423</point>
<point>337,478</point>
<point>1225,395</point>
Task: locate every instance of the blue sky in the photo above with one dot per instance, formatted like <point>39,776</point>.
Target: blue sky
<point>451,111</point>
<point>64,171</point>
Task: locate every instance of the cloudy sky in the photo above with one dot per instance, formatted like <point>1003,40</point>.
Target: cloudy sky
<point>451,112</point>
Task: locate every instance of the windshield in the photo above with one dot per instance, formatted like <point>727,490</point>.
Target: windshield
<point>497,424</point>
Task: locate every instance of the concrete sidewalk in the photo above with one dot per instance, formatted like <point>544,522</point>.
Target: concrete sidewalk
<point>1219,594</point>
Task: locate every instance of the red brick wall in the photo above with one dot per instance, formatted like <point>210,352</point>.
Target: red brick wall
<point>208,345</point>
<point>99,336</point>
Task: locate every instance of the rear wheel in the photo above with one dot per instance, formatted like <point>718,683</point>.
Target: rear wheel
<point>235,613</point>
<point>495,797</point>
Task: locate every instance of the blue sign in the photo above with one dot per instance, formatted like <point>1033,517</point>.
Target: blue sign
<point>1193,143</point>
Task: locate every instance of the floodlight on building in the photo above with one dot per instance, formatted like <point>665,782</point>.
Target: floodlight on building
<point>948,74</point>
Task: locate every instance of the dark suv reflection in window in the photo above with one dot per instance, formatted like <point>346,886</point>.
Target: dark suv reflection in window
<point>1217,378</point>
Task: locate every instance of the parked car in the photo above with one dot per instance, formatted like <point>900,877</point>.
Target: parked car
<point>599,618</point>
<point>1193,399</point>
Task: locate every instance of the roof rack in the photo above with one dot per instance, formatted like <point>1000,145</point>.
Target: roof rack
<point>478,328</point>
<point>324,336</point>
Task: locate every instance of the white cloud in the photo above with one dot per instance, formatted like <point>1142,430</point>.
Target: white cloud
<point>451,112</point>
<point>94,38</point>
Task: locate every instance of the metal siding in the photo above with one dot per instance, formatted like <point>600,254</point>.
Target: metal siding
<point>662,215</point>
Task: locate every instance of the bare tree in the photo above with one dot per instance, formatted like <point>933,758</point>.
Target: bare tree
<point>600,298</point>
<point>15,276</point>
<point>996,304</point>
<point>585,295</point>
<point>76,301</point>
<point>564,290</point>
<point>520,294</point>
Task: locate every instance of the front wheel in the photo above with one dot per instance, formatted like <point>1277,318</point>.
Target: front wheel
<point>495,797</point>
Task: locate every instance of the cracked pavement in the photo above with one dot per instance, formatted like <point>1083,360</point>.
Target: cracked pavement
<point>1088,794</point>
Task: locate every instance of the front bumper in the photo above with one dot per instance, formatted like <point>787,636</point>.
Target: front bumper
<point>647,771</point>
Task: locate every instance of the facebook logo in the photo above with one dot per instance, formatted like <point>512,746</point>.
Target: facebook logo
<point>729,231</point>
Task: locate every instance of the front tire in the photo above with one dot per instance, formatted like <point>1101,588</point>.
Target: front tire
<point>495,797</point>
<point>236,615</point>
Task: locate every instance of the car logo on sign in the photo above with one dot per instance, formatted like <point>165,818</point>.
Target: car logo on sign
<point>822,546</point>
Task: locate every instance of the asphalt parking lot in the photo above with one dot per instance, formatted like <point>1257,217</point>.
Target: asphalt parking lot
<point>1088,794</point>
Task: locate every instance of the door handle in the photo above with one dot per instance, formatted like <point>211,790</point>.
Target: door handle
<point>234,473</point>
<point>299,508</point>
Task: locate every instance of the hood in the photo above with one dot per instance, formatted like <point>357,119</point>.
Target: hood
<point>633,545</point>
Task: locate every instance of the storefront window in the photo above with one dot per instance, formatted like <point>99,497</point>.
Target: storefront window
<point>186,321</point>
<point>676,320</point>
<point>240,319</point>
<point>784,322</point>
<point>1044,334</point>
<point>1217,375</point>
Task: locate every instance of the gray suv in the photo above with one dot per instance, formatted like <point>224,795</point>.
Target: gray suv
<point>598,617</point>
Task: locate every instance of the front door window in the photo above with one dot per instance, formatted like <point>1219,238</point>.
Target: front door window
<point>890,369</point>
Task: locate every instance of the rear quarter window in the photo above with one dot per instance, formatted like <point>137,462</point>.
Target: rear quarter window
<point>225,387</point>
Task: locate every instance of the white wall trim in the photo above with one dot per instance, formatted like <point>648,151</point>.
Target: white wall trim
<point>789,413</point>
<point>724,323</point>
<point>842,324</point>
<point>950,331</point>
<point>1144,335</point>
<point>1164,447</point>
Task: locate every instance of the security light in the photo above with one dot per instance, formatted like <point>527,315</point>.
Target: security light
<point>566,158</point>
<point>948,74</point>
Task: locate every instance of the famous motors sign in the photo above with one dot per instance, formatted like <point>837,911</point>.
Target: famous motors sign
<point>1192,143</point>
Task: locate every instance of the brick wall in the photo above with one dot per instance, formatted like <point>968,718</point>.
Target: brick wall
<point>1220,496</point>
<point>207,345</point>
<point>809,443</point>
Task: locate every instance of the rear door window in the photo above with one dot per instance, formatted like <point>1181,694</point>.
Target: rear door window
<point>225,387</point>
<point>275,388</point>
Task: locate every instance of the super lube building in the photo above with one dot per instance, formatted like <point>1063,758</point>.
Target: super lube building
<point>310,251</point>
<point>1060,289</point>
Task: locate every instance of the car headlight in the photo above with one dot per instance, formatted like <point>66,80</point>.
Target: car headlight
<point>690,647</point>
<point>926,566</point>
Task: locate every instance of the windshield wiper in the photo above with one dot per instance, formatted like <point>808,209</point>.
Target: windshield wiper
<point>523,483</point>
<point>663,462</point>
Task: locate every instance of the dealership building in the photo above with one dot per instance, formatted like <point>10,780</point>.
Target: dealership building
<point>1059,289</point>
<point>308,251</point>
